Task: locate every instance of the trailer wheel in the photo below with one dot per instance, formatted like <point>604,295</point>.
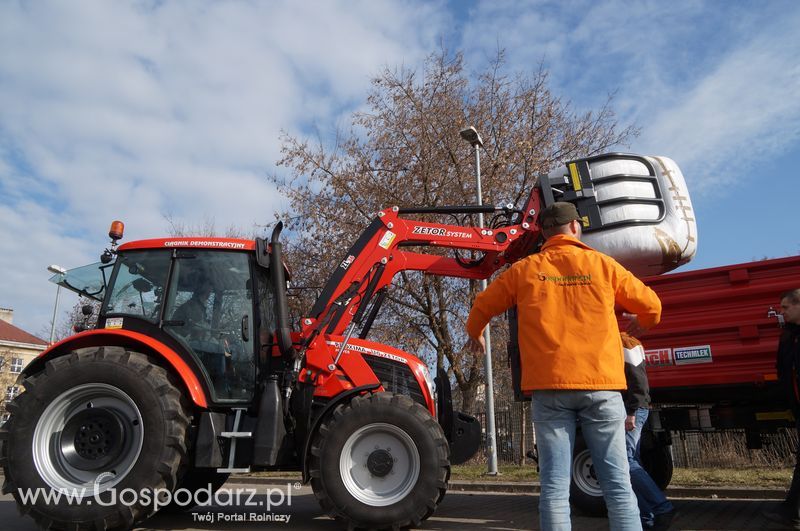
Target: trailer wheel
<point>585,492</point>
<point>656,459</point>
<point>98,422</point>
<point>380,461</point>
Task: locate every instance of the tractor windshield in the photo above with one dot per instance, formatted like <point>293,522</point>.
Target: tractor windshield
<point>138,284</point>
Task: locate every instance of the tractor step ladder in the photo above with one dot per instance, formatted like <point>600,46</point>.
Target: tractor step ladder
<point>234,436</point>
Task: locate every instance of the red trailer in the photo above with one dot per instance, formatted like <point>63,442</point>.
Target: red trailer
<point>711,362</point>
<point>719,333</point>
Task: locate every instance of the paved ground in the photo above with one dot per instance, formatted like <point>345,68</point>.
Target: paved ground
<point>459,510</point>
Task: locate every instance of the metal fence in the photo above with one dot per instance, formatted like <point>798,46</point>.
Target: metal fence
<point>514,432</point>
<point>718,449</point>
<point>728,449</point>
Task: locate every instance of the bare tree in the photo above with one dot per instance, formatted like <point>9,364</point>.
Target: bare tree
<point>405,150</point>
<point>205,228</point>
<point>75,320</point>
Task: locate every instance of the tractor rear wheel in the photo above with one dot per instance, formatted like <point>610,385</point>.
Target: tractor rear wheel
<point>380,461</point>
<point>98,423</point>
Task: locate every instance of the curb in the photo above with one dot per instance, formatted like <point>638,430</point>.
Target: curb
<point>674,491</point>
<point>531,487</point>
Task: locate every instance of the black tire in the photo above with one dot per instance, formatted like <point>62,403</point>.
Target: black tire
<point>585,493</point>
<point>409,432</point>
<point>656,459</point>
<point>89,389</point>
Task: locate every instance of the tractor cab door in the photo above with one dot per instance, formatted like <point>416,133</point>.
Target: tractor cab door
<point>209,308</point>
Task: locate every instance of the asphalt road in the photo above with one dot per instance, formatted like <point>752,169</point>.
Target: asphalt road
<point>459,510</point>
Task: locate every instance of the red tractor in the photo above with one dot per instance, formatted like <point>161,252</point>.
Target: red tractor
<point>193,372</point>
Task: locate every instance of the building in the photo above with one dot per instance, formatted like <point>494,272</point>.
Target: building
<point>17,349</point>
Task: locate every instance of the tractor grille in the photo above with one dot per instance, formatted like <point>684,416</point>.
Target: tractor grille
<point>396,378</point>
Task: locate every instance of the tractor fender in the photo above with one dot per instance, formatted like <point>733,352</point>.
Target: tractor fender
<point>318,420</point>
<point>129,340</point>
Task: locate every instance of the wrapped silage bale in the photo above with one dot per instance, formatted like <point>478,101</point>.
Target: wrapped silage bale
<point>637,209</point>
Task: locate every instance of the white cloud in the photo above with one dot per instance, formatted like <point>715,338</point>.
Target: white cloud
<point>745,110</point>
<point>30,235</point>
<point>135,110</point>
<point>712,86</point>
<point>131,111</point>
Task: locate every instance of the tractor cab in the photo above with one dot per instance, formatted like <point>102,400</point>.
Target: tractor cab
<point>206,298</point>
<point>209,296</point>
<point>202,298</point>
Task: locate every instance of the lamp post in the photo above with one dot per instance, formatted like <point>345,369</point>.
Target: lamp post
<point>57,270</point>
<point>470,134</point>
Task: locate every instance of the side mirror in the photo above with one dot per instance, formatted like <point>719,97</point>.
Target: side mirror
<point>262,253</point>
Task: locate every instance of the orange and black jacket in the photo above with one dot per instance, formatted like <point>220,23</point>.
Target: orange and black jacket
<point>565,297</point>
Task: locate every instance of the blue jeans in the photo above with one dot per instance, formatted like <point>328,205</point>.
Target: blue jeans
<point>652,501</point>
<point>602,419</point>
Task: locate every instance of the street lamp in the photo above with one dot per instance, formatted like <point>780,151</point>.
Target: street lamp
<point>56,270</point>
<point>470,134</point>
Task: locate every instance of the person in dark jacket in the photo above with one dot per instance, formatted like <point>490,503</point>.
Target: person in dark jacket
<point>788,366</point>
<point>655,509</point>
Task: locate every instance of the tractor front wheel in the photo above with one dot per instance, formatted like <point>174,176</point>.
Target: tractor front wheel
<point>380,461</point>
<point>92,426</point>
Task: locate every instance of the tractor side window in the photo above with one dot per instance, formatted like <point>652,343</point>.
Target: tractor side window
<point>210,309</point>
<point>139,283</point>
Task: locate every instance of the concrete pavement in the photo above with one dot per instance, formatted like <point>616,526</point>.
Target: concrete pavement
<point>459,510</point>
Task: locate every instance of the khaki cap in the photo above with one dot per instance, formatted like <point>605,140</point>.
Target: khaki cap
<point>559,213</point>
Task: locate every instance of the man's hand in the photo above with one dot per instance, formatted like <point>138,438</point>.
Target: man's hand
<point>476,346</point>
<point>630,422</point>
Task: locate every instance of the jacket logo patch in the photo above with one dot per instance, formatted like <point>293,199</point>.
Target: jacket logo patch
<point>567,280</point>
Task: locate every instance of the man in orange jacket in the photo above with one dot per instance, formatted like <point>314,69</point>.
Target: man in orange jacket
<point>571,358</point>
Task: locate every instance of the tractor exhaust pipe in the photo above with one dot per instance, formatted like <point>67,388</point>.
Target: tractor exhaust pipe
<point>282,329</point>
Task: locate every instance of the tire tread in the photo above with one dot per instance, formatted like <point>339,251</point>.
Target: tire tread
<point>172,402</point>
<point>358,404</point>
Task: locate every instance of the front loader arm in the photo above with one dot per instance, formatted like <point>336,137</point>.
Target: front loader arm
<point>384,249</point>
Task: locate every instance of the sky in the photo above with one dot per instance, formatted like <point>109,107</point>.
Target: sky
<point>149,111</point>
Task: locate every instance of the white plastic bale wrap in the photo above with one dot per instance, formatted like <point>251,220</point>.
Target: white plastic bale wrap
<point>649,249</point>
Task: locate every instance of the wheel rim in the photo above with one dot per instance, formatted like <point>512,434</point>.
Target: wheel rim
<point>89,437</point>
<point>379,464</point>
<point>583,474</point>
